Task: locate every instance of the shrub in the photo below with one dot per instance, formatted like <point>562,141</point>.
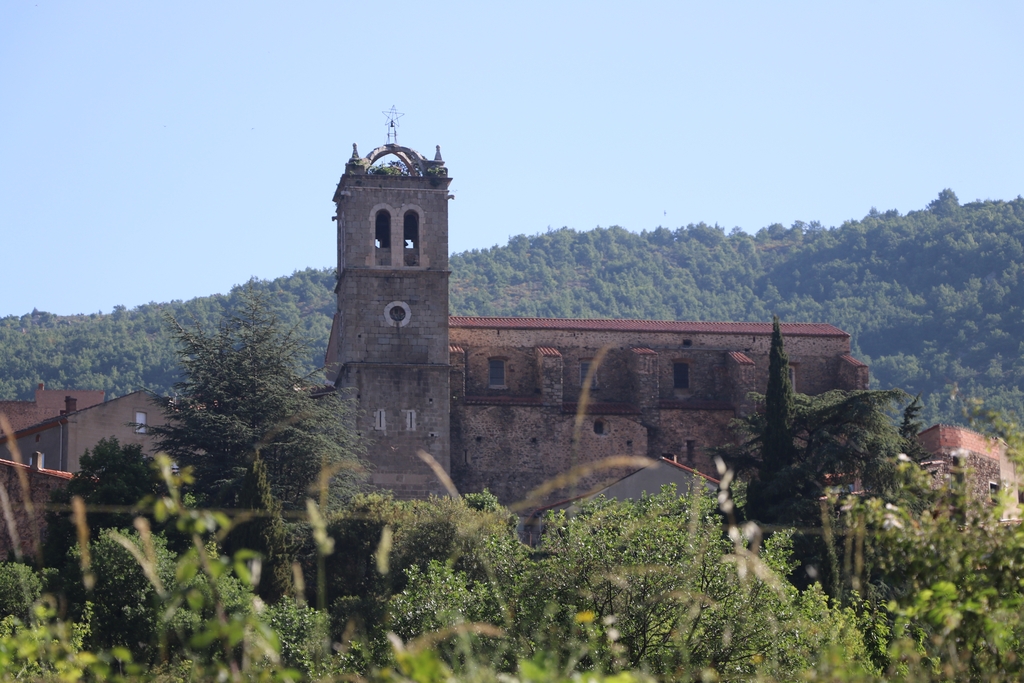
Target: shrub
<point>20,587</point>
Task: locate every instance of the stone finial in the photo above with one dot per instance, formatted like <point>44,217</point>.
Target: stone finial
<point>437,156</point>
<point>355,151</point>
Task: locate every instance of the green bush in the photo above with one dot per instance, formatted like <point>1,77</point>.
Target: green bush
<point>303,634</point>
<point>20,588</point>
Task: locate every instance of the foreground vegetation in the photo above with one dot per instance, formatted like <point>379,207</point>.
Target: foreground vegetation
<point>266,569</point>
<point>932,299</point>
<point>665,588</point>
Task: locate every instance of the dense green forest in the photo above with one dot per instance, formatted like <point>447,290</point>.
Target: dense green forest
<point>932,298</point>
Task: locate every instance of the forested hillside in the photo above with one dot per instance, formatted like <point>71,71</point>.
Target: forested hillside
<point>133,349</point>
<point>932,298</point>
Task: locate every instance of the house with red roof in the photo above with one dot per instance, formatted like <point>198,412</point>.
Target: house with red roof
<point>58,442</point>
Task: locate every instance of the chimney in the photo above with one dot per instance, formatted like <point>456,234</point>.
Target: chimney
<point>70,404</point>
<point>37,459</point>
<point>40,386</point>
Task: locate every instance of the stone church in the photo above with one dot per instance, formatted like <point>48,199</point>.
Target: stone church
<point>497,401</point>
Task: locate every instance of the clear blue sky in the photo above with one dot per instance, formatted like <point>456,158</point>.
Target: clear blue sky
<point>152,151</point>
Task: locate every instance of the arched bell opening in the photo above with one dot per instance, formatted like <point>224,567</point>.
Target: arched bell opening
<point>382,238</point>
<point>411,238</point>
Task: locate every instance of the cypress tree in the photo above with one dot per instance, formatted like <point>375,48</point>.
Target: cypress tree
<point>777,445</point>
<point>910,428</point>
<point>265,533</point>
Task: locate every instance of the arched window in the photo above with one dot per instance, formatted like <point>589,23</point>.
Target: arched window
<point>382,235</point>
<point>411,237</point>
<point>382,238</point>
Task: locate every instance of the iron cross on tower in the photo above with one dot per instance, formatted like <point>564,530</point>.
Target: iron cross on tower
<point>392,124</point>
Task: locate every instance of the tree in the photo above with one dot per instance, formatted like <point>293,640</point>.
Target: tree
<point>777,448</point>
<point>801,445</point>
<point>675,594</point>
<point>840,439</point>
<point>20,586</point>
<point>265,533</point>
<point>111,475</point>
<point>910,428</point>
<point>243,392</point>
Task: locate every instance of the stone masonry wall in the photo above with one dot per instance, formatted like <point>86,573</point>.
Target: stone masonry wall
<point>392,451</point>
<point>511,450</point>
<point>815,359</point>
<point>514,438</point>
<point>30,526</point>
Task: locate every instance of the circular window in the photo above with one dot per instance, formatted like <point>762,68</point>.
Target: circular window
<point>396,314</point>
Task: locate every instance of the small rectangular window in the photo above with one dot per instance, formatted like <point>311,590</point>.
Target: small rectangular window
<point>584,370</point>
<point>380,421</point>
<point>691,450</point>
<point>792,377</point>
<point>681,375</point>
<point>993,489</point>
<point>496,373</point>
<point>140,422</point>
<point>410,420</point>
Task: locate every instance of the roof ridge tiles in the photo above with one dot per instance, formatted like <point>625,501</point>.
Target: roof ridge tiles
<point>741,358</point>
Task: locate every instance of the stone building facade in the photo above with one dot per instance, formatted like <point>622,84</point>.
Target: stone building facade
<point>500,402</point>
<point>982,462</point>
<point>28,488</point>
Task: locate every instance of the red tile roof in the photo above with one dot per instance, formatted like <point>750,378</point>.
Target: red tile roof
<point>741,358</point>
<point>679,326</point>
<point>690,470</point>
<point>852,361</point>
<point>643,351</point>
<point>549,351</point>
<point>21,413</point>
<point>41,470</point>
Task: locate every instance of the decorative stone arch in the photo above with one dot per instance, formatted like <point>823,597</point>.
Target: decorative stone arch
<point>413,160</point>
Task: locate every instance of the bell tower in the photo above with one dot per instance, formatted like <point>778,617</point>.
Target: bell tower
<point>389,343</point>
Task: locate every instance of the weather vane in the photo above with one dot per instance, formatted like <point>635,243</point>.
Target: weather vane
<point>393,117</point>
